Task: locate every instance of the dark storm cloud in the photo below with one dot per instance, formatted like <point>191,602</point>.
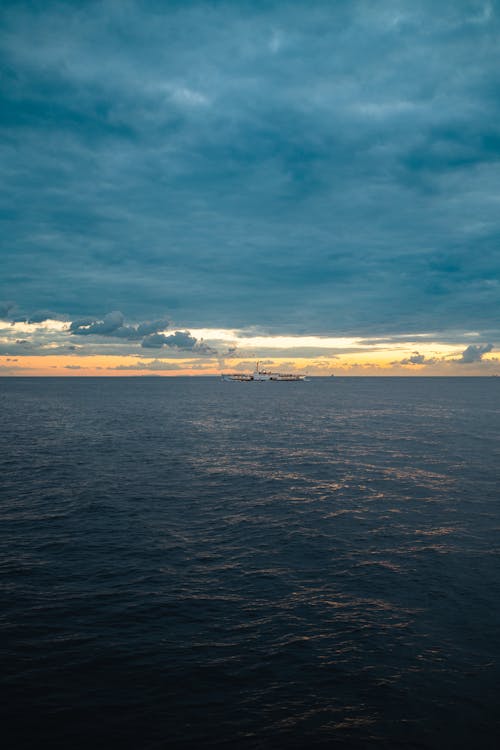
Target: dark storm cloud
<point>474,353</point>
<point>306,167</point>
<point>152,326</point>
<point>154,341</point>
<point>417,359</point>
<point>179,339</point>
<point>109,325</point>
<point>41,315</point>
<point>113,324</point>
<point>10,311</point>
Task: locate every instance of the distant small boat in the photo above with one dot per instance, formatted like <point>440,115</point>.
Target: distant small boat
<point>261,375</point>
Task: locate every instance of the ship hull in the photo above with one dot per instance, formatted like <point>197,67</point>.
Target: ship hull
<point>277,378</point>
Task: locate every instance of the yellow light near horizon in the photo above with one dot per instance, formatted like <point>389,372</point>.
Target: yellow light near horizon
<point>46,325</point>
<point>92,365</point>
<point>368,361</point>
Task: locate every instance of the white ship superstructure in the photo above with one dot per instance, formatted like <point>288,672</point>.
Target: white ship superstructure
<point>262,375</point>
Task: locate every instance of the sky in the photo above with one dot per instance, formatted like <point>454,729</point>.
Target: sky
<point>192,186</point>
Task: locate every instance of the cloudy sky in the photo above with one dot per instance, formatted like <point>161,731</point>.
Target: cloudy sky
<point>190,186</point>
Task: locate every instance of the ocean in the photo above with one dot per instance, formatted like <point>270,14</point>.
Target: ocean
<point>191,563</point>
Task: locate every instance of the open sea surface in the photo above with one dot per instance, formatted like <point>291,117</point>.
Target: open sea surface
<point>190,563</point>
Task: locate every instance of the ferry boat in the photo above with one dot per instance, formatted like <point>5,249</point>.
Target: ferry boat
<point>258,374</point>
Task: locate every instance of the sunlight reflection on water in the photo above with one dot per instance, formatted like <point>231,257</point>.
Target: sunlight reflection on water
<point>250,568</point>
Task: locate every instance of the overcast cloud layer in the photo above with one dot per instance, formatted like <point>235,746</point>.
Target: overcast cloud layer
<point>304,167</point>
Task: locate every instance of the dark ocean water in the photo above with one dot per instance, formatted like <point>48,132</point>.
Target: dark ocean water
<point>192,563</point>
